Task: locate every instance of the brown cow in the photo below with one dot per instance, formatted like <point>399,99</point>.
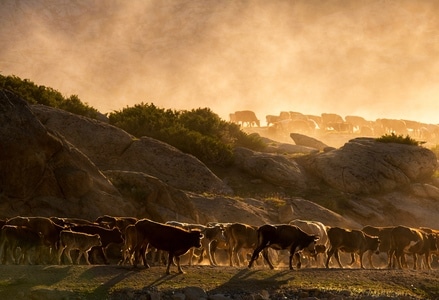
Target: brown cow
<point>216,240</point>
<point>13,237</point>
<point>406,240</point>
<point>71,240</point>
<point>176,241</point>
<point>49,230</point>
<point>108,236</point>
<point>245,118</point>
<point>383,233</point>
<point>130,242</point>
<point>435,232</point>
<point>119,222</point>
<point>318,229</point>
<point>351,241</point>
<point>240,236</point>
<point>283,236</point>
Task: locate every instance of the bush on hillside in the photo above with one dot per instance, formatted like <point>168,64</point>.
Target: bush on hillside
<point>39,94</point>
<point>199,132</point>
<point>399,139</point>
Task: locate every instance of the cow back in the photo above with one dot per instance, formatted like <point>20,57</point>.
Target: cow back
<point>167,237</point>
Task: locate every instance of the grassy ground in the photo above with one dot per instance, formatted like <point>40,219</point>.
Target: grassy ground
<point>119,282</point>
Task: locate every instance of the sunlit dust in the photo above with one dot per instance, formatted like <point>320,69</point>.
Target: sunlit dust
<point>374,58</point>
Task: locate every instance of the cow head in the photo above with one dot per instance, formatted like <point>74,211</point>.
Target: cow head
<point>310,244</point>
<point>432,241</point>
<point>195,238</point>
<point>116,235</point>
<point>373,243</point>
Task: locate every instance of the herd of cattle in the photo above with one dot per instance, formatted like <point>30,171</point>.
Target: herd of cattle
<point>42,240</point>
<point>288,122</point>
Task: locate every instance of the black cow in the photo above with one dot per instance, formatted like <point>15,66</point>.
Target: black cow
<point>281,237</point>
<point>176,241</point>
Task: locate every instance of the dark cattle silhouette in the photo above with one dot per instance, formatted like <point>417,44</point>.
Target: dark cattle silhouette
<point>71,240</point>
<point>240,236</point>
<point>245,118</point>
<point>176,241</point>
<point>407,240</point>
<point>351,241</point>
<point>384,234</point>
<point>283,236</point>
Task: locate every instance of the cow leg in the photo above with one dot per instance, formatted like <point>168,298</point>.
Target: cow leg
<point>266,258</point>
<point>352,259</point>
<point>256,254</point>
<point>69,257</point>
<point>415,261</point>
<point>361,259</point>
<point>170,260</point>
<point>369,258</point>
<point>329,254</point>
<point>211,252</point>
<point>86,257</point>
<point>231,251</point>
<point>299,262</point>
<point>60,252</point>
<point>337,258</point>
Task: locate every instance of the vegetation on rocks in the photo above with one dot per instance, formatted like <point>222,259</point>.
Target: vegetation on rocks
<point>199,132</point>
<point>399,139</point>
<point>40,94</point>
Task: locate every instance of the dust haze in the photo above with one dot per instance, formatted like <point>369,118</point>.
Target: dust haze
<point>371,58</point>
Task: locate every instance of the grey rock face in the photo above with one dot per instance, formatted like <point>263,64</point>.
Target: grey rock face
<point>43,174</point>
<point>304,140</point>
<point>273,168</point>
<point>365,166</point>
<point>111,148</point>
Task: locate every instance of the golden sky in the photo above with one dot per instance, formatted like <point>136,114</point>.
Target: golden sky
<point>371,58</point>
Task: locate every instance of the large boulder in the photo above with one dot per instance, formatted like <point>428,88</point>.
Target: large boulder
<point>274,168</point>
<point>152,198</point>
<point>366,166</point>
<point>43,174</point>
<point>111,148</point>
<point>307,141</point>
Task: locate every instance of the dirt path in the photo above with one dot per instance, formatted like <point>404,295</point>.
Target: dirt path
<point>116,282</point>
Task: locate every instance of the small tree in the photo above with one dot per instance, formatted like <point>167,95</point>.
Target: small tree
<point>399,139</point>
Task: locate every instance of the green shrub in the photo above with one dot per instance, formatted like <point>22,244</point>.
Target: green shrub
<point>199,132</point>
<point>399,139</point>
<point>39,94</point>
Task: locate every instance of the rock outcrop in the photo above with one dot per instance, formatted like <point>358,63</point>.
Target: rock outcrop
<point>43,174</point>
<point>111,148</point>
<point>365,166</point>
<point>307,141</point>
<point>152,198</point>
<point>276,169</point>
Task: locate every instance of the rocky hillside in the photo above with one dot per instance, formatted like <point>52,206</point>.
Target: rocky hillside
<point>57,163</point>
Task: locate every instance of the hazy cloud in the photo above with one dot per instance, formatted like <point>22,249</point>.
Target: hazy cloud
<point>370,58</point>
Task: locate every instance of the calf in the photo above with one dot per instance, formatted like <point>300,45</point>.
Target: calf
<point>189,226</point>
<point>108,236</point>
<point>351,241</point>
<point>283,236</point>
<point>406,240</point>
<point>240,236</point>
<point>175,240</point>
<point>13,237</point>
<point>318,229</point>
<point>383,233</point>
<point>70,240</point>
